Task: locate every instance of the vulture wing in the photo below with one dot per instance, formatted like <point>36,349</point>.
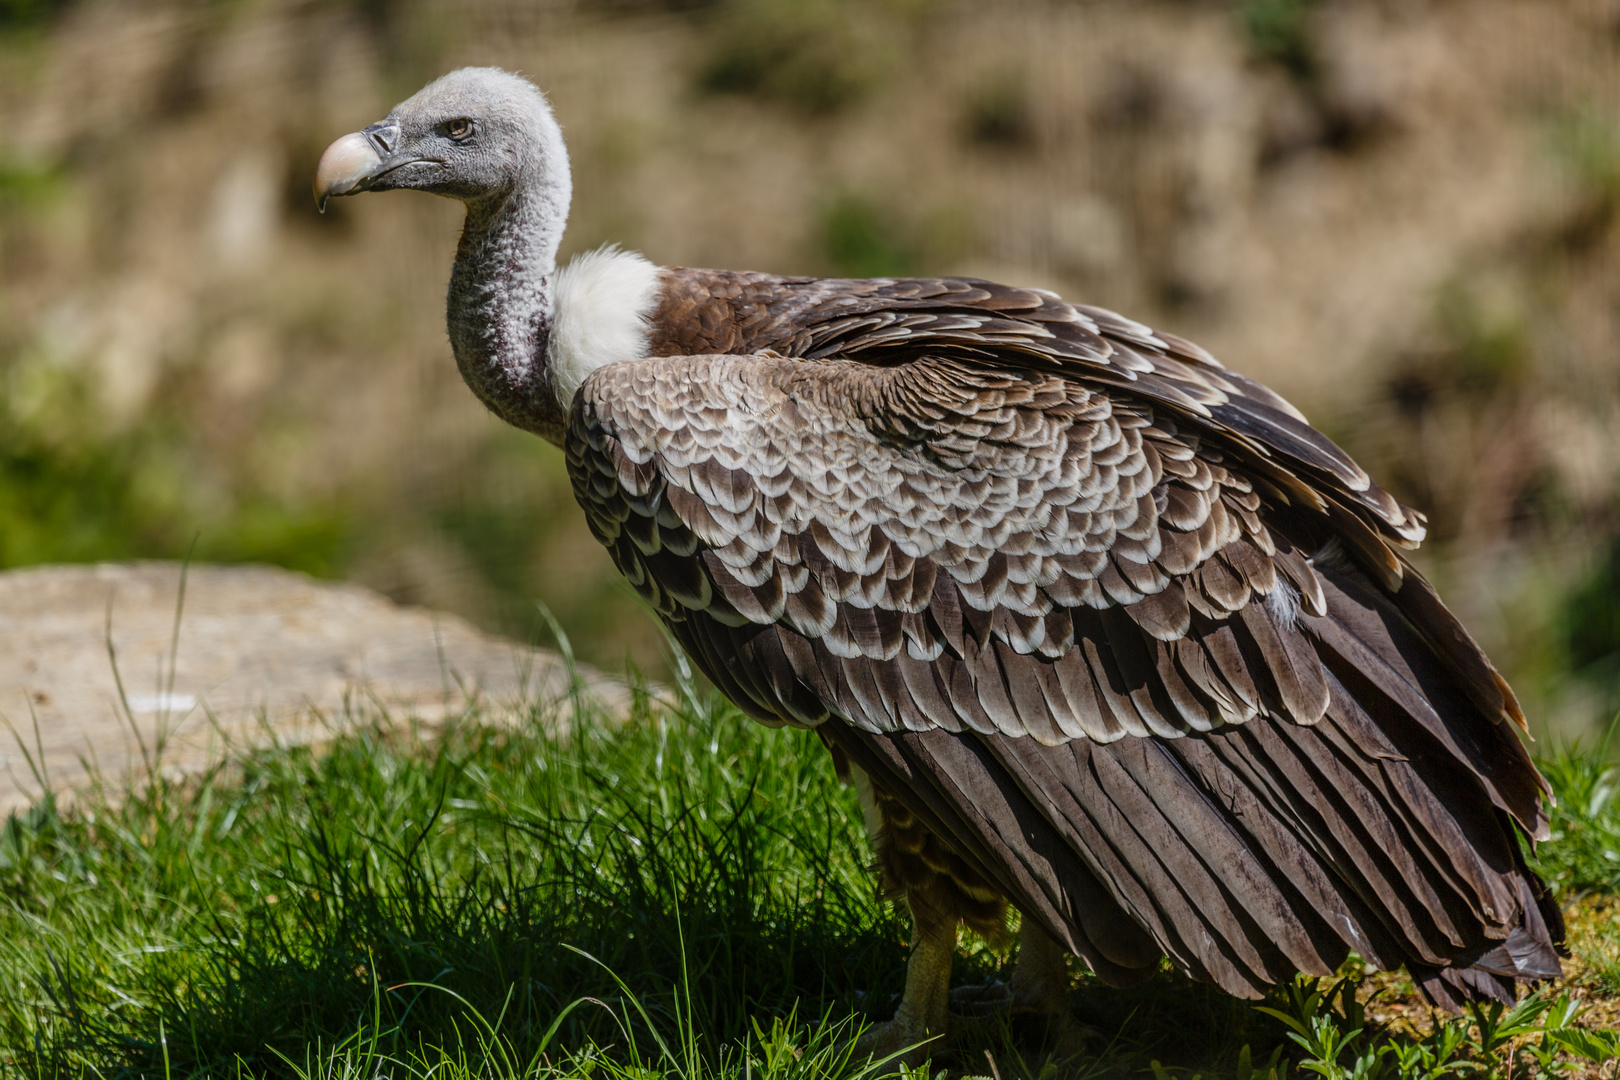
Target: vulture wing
<point>1116,623</point>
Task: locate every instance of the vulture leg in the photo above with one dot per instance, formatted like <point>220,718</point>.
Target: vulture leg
<point>1039,988</point>
<point>1040,982</point>
<point>919,1023</point>
<point>942,892</point>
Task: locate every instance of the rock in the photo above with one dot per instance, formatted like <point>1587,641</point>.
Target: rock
<point>262,652</point>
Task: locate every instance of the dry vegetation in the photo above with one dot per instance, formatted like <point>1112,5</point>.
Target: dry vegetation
<point>1400,214</point>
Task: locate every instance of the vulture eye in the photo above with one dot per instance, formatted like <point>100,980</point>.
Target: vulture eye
<point>459,130</point>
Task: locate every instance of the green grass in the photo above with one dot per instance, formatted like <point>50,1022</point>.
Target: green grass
<point>681,895</point>
<point>1583,855</point>
<point>256,912</point>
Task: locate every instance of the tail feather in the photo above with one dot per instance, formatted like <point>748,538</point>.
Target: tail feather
<point>1375,649</point>
<point>951,785</point>
<point>1255,850</point>
<point>1246,852</point>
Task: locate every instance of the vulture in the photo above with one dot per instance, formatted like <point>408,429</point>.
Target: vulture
<point>1101,630</point>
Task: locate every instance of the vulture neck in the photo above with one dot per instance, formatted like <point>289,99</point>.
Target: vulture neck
<point>525,334</point>
<point>501,309</point>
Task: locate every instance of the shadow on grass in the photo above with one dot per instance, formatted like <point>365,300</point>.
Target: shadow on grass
<point>695,880</point>
<point>311,896</point>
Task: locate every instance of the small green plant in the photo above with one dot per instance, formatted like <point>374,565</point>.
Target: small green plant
<point>76,488</point>
<point>1599,949</point>
<point>1584,141</point>
<point>1583,854</point>
<point>1535,1038</point>
<point>786,1050</point>
<point>1590,618</point>
<point>25,13</point>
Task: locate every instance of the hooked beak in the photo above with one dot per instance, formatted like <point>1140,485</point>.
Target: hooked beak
<point>355,162</point>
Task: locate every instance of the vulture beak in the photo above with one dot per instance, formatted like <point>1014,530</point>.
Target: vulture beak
<point>355,162</point>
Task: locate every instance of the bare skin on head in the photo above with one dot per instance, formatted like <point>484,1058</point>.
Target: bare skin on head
<point>1104,630</point>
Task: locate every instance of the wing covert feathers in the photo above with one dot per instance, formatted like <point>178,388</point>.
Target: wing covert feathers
<point>1114,623</point>
<point>879,320</point>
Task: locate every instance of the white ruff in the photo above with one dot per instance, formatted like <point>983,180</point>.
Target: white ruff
<point>603,301</point>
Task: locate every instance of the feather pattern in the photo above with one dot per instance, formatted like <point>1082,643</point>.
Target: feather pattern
<point>1115,624</point>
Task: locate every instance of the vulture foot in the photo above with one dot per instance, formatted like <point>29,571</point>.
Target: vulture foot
<point>901,1041</point>
<point>1033,1006</point>
<point>1039,990</point>
<point>981,1001</point>
<point>919,1025</point>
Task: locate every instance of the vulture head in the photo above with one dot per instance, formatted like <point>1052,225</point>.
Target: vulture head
<point>473,135</point>
<point>488,138</point>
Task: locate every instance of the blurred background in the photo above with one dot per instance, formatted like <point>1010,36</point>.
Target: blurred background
<point>1402,215</point>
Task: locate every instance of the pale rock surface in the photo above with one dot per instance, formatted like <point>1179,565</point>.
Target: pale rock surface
<point>263,653</point>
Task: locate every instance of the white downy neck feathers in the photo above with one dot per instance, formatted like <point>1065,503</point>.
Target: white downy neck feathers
<point>603,300</point>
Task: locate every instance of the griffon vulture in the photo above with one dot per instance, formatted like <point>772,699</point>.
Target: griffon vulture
<point>1102,629</point>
